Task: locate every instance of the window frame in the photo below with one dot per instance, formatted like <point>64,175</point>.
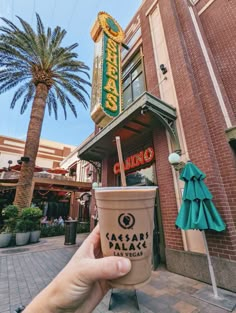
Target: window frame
<point>129,74</point>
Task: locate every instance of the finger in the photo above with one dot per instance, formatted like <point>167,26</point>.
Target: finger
<point>96,237</point>
<point>105,268</point>
<point>91,243</point>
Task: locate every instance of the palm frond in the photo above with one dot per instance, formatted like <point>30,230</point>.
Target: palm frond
<point>61,97</point>
<point>6,30</point>
<point>52,103</point>
<point>71,105</point>
<point>73,91</point>
<point>28,29</point>
<point>12,76</point>
<point>40,27</point>
<point>56,35</point>
<point>21,42</point>
<point>29,57</point>
<point>18,94</point>
<point>10,84</point>
<point>28,97</point>
<point>31,35</point>
<point>9,50</point>
<point>76,81</point>
<point>10,24</point>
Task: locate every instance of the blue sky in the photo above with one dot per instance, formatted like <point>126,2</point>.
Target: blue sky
<point>77,17</point>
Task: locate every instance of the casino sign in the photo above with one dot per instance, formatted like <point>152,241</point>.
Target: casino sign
<point>136,160</point>
<point>106,97</point>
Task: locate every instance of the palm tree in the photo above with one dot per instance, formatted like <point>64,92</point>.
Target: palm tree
<point>46,74</point>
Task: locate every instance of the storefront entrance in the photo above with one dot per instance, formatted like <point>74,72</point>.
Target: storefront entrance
<point>135,126</point>
<point>147,177</point>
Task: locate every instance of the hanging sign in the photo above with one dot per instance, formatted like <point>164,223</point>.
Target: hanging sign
<point>106,98</point>
<point>136,160</point>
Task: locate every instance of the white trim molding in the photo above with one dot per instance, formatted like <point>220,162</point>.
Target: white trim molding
<point>211,70</point>
<point>205,7</point>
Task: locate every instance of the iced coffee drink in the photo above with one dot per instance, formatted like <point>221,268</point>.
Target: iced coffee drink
<point>126,227</point>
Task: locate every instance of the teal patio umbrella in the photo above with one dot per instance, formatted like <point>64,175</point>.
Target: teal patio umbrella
<point>197,210</point>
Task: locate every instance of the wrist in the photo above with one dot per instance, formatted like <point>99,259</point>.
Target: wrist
<point>46,301</point>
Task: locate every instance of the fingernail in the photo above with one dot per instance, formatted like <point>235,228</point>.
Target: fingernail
<point>124,266</point>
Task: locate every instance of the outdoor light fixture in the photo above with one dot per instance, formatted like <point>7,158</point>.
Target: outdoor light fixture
<point>163,69</point>
<point>25,159</point>
<point>95,185</point>
<point>174,160</point>
<point>9,165</point>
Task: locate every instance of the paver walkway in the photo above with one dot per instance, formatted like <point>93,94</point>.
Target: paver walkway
<point>24,271</point>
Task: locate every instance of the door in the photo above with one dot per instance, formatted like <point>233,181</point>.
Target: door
<point>147,177</point>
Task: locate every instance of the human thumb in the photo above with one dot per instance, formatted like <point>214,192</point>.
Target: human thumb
<point>105,268</point>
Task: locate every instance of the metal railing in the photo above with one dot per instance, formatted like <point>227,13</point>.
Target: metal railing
<point>15,175</point>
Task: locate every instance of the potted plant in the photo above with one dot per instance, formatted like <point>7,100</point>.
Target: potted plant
<point>23,228</point>
<point>33,214</point>
<point>9,214</point>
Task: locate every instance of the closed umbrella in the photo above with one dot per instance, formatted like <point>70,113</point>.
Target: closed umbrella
<point>197,210</point>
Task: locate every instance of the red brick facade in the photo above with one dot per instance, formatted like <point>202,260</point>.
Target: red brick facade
<point>199,108</point>
<point>173,238</point>
<point>222,43</point>
<point>206,96</point>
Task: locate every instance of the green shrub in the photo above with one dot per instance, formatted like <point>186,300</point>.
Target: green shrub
<point>58,230</point>
<point>31,213</point>
<point>10,215</point>
<point>83,227</point>
<point>11,211</point>
<point>52,230</point>
<point>24,225</point>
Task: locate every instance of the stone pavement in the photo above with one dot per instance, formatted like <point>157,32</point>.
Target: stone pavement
<point>24,271</point>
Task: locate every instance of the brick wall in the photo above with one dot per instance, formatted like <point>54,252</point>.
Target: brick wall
<point>203,122</point>
<point>199,109</point>
<point>219,24</point>
<point>173,238</point>
<point>200,4</point>
<point>223,164</point>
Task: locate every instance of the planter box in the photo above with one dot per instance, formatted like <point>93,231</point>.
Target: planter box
<point>22,238</point>
<point>34,236</point>
<point>5,240</point>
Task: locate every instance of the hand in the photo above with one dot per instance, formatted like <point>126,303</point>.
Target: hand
<point>82,284</point>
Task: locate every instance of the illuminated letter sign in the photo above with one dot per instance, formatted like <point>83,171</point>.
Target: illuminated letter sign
<point>136,160</point>
<point>106,86</point>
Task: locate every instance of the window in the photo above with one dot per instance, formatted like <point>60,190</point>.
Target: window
<point>131,42</point>
<point>142,177</point>
<point>133,80</point>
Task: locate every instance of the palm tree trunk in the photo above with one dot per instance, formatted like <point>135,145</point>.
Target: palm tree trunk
<point>23,195</point>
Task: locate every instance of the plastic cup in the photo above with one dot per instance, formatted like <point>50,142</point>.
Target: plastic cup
<point>126,227</point>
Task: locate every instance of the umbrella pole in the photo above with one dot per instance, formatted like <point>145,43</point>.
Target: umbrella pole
<point>212,274</point>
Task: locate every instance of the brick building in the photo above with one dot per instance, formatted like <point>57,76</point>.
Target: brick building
<point>50,153</point>
<point>179,78</point>
<point>58,192</point>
